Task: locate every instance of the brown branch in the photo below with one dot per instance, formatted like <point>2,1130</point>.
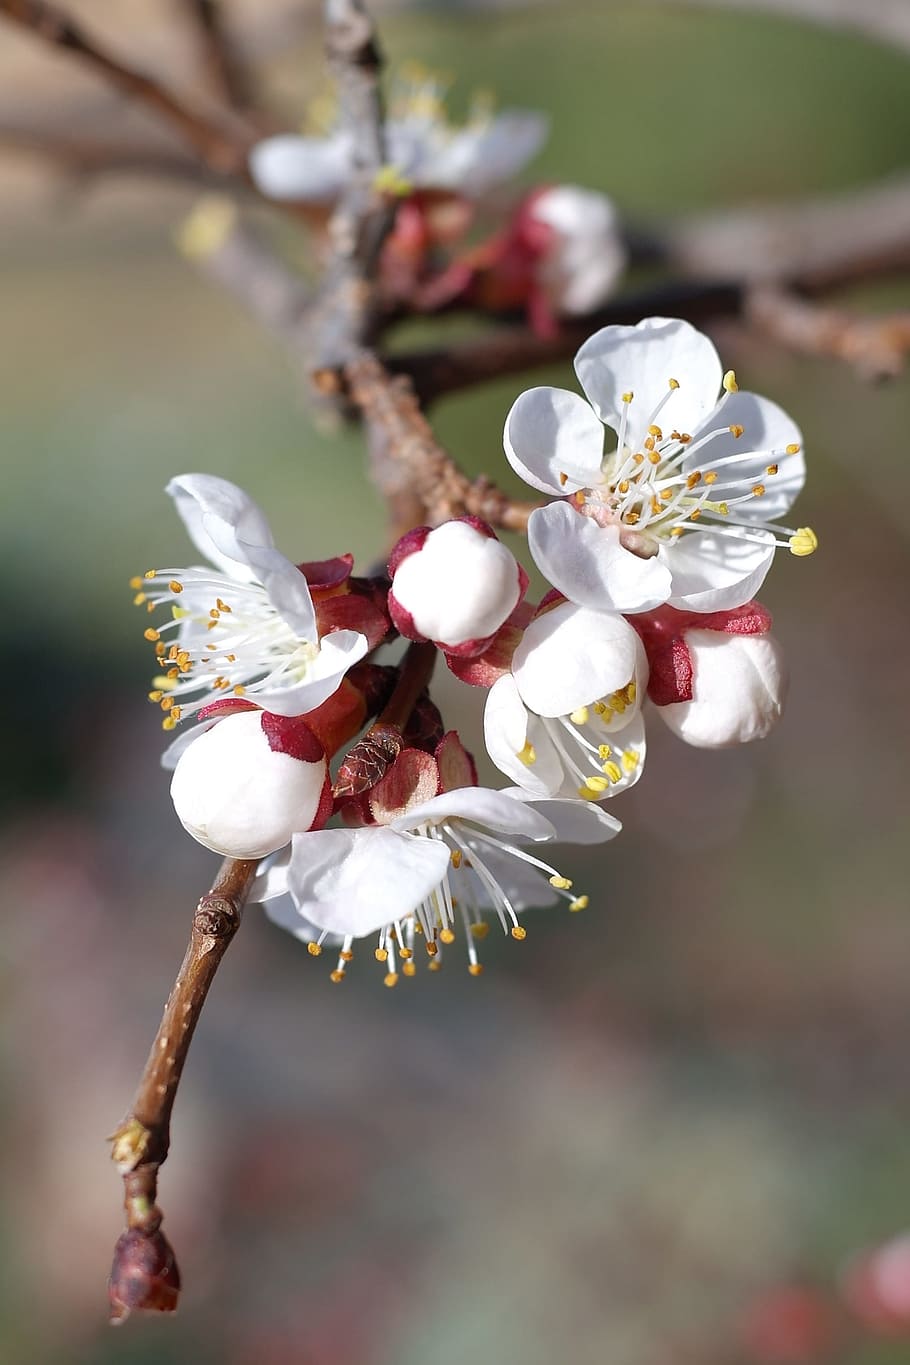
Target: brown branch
<point>85,156</point>
<point>347,311</point>
<point>225,73</point>
<point>222,148</point>
<point>411,455</point>
<point>876,346</point>
<point>144,1274</point>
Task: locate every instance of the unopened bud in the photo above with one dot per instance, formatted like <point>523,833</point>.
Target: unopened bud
<point>581,263</point>
<point>455,585</point>
<point>739,683</point>
<point>144,1275</point>
<point>245,786</point>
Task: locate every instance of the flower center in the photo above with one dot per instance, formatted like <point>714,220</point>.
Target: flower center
<point>223,637</point>
<point>580,740</point>
<point>652,485</point>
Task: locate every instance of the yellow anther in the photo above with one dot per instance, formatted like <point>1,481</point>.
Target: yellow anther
<point>175,586</point>
<point>528,754</point>
<point>150,573</point>
<point>409,968</point>
<point>653,457</point>
<point>390,979</point>
<point>666,494</point>
<point>231,658</point>
<point>580,499</point>
<point>772,469</point>
<point>656,433</point>
<point>618,701</point>
<point>805,542</point>
<point>455,857</point>
<point>678,531</point>
<point>730,383</point>
<point>169,723</point>
<point>674,383</point>
<point>628,396</point>
<point>722,508</point>
<point>155,696</point>
<point>406,953</point>
<point>612,770</point>
<point>179,613</point>
<point>159,649</point>
<point>588,795</point>
<point>214,613</point>
<point>346,956</point>
<point>638,458</point>
<point>136,582</point>
<point>655,507</point>
<point>693,479</point>
<point>596,784</point>
<point>684,438</point>
<point>600,707</point>
<point>519,932</point>
<point>695,514</point>
<point>561,883</point>
<point>629,761</point>
<point>151,634</point>
<point>758,490</point>
<point>604,751</point>
<point>711,476</point>
<point>475,968</point>
<point>563,480</point>
<point>446,936</point>
<point>580,716</point>
<point>390,181</point>
<point>239,690</point>
<point>139,599</point>
<point>649,443</point>
<point>631,518</point>
<point>579,903</point>
<point>380,954</point>
<point>222,606</point>
<point>631,692</point>
<point>736,431</point>
<point>432,947</point>
<point>176,713</point>
<point>793,449</point>
<point>337,976</point>
<point>480,930</point>
<point>173,674</point>
<point>624,486</point>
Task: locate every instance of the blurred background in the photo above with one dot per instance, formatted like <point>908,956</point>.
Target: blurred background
<point>642,1125</point>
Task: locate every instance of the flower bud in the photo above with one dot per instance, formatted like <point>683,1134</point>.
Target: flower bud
<point>739,683</point>
<point>144,1274</point>
<point>581,261</point>
<point>245,786</point>
<point>454,585</point>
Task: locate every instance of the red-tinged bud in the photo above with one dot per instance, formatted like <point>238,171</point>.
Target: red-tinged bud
<point>455,585</point>
<point>792,1325</point>
<point>411,780</point>
<point>323,575</point>
<point>144,1275</point>
<point>339,719</point>
<point>353,607</point>
<point>876,1287</point>
<point>456,766</point>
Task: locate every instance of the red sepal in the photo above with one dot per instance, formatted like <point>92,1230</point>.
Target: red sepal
<point>351,611</point>
<point>495,661</point>
<point>455,765</point>
<point>292,736</point>
<point>412,779</point>
<point>327,573</point>
<point>225,706</point>
<point>409,544</point>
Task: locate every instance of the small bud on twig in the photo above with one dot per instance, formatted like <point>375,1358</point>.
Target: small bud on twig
<point>144,1275</point>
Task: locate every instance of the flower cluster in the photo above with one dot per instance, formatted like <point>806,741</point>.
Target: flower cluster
<point>556,252</point>
<point>335,768</point>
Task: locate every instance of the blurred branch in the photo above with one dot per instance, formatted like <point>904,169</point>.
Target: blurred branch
<point>226,73</point>
<point>876,346</point>
<point>140,1144</point>
<point>410,456</point>
<point>346,309</point>
<point>223,149</point>
<point>86,156</point>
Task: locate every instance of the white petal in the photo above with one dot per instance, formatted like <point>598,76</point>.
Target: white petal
<point>271,878</point>
<point>588,564</point>
<point>312,169</point>
<point>286,586</point>
<point>642,360</point>
<point>571,656</point>
<point>581,266</point>
<point>767,430</point>
<point>357,881</point>
<point>508,726</point>
<point>551,433</point>
<point>337,653</point>
<point>739,683</point>
<point>218,515</point>
<point>575,822</point>
<point>717,572</point>
<point>283,912</point>
<point>526,887</point>
<point>481,806</point>
<point>500,149</point>
<point>183,741</point>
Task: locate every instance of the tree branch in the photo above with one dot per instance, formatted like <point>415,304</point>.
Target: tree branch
<point>411,455</point>
<point>875,346</point>
<point>222,148</point>
<point>226,74</point>
<point>140,1145</point>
